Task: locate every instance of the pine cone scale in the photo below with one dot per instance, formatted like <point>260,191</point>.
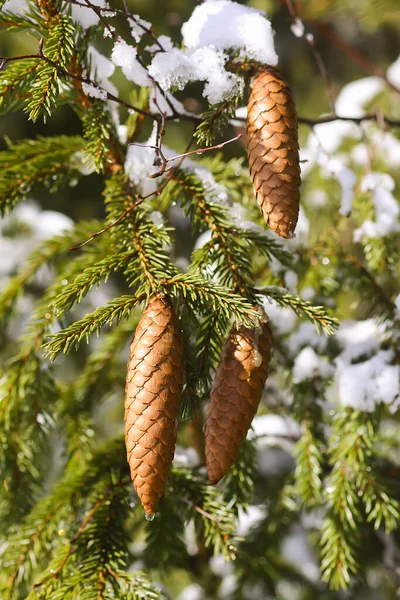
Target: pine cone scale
<point>273,151</point>
<point>153,388</point>
<point>235,395</point>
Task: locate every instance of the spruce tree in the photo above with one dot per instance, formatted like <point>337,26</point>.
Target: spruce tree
<point>192,274</point>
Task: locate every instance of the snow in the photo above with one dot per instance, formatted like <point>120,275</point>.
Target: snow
<point>139,164</point>
<point>248,518</point>
<point>176,68</point>
<point>364,373</point>
<point>282,319</point>
<point>162,102</point>
<point>291,281</point>
<point>102,69</point>
<point>297,27</point>
<point>85,16</point>
<point>397,305</point>
<point>388,147</point>
<point>93,91</point>
<point>329,136</point>
<point>387,209</point>
<point>346,178</point>
<point>228,25</point>
<point>308,365</point>
<point>213,191</point>
<point>393,73</point>
<point>356,94</point>
<point>164,41</point>
<point>220,566</point>
<point>192,592</point>
<point>306,335</point>
<point>215,26</point>
<point>274,425</point>
<point>39,226</point>
<point>124,56</point>
<point>137,24</point>
<point>363,385</point>
<point>359,338</point>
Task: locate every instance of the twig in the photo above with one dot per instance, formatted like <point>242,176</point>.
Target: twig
<point>139,200</point>
<point>165,169</point>
<point>201,510</point>
<point>120,218</point>
<point>318,58</point>
<point>354,53</point>
<point>203,150</point>
<point>6,59</point>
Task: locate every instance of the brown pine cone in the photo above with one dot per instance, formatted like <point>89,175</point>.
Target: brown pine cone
<point>152,398</point>
<point>235,395</point>
<point>273,151</point>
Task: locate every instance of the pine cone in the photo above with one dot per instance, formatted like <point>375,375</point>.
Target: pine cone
<point>273,151</point>
<point>235,395</point>
<point>153,391</point>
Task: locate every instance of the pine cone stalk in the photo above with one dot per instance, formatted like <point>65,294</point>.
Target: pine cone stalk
<point>273,151</point>
<point>235,395</point>
<point>152,398</point>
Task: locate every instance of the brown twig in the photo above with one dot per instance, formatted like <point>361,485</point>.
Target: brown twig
<point>6,59</point>
<point>318,58</point>
<point>201,510</point>
<point>353,53</point>
<point>139,200</point>
<point>165,169</point>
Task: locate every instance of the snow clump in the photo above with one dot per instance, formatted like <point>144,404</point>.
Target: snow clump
<point>214,27</point>
<point>124,56</point>
<point>227,25</point>
<point>387,209</point>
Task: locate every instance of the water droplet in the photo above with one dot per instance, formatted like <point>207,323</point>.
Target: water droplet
<point>64,281</point>
<point>52,571</point>
<point>149,516</point>
<point>61,532</point>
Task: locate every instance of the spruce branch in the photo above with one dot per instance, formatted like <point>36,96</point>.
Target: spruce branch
<point>352,485</point>
<point>58,49</point>
<point>64,340</point>
<point>27,163</point>
<point>90,277</point>
<point>316,314</point>
<point>43,254</point>
<point>203,296</point>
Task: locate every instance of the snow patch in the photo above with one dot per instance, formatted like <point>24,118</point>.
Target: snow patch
<point>387,209</point>
<point>308,365</point>
<point>138,27</point>
<point>227,25</point>
<point>393,73</point>
<point>355,95</point>
<point>176,68</point>
<point>274,425</point>
<point>86,16</point>
<point>364,385</point>
<point>124,56</point>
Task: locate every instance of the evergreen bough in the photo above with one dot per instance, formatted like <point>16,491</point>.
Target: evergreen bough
<point>81,533</point>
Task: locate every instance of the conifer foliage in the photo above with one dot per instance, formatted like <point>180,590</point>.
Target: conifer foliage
<point>182,260</point>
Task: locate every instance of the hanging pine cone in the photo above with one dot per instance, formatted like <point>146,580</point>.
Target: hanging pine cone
<point>273,151</point>
<point>153,391</point>
<point>235,395</point>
